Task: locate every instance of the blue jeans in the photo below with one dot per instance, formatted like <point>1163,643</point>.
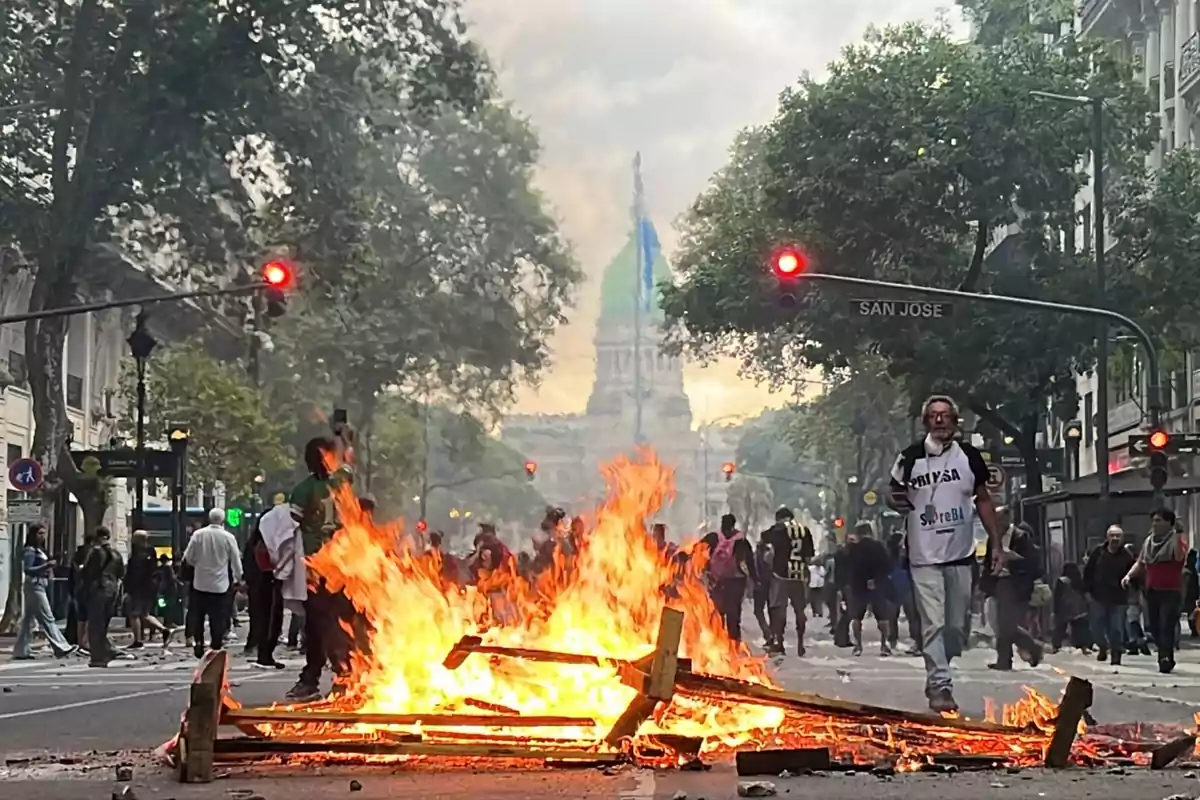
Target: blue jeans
<point>943,595</point>
<point>37,610</point>
<point>1108,627</point>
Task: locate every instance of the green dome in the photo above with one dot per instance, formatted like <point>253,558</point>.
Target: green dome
<point>619,286</point>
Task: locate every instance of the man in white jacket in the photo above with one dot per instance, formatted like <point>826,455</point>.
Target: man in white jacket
<point>281,535</point>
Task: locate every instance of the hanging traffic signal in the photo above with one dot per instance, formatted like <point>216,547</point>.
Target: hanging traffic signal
<point>839,523</point>
<point>728,468</point>
<point>788,264</point>
<point>421,526</point>
<point>530,469</point>
<point>278,279</point>
<point>1160,446</point>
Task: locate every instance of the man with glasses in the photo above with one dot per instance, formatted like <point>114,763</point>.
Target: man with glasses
<point>936,481</point>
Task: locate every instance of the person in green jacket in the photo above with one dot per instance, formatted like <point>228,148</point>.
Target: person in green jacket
<point>313,509</point>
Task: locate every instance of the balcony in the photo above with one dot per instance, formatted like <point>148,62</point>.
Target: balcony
<point>1123,416</point>
<point>1189,65</point>
<point>1107,18</point>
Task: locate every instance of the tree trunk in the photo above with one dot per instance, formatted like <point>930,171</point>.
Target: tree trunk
<point>1027,445</point>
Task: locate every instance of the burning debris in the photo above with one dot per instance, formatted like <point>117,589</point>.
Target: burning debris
<point>555,668</point>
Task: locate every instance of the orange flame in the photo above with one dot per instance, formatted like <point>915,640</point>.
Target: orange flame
<point>606,601</point>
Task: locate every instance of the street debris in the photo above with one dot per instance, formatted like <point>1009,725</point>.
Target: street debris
<point>756,789</point>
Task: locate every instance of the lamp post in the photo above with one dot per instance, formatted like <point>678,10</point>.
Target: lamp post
<point>141,345</point>
<point>1074,434</point>
<point>1097,106</point>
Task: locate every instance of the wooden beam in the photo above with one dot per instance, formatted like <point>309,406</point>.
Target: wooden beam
<point>773,762</point>
<point>202,718</point>
<point>243,715</point>
<point>656,684</point>
<point>816,704</point>
<point>1076,699</point>
<point>243,746</point>
<point>1163,756</point>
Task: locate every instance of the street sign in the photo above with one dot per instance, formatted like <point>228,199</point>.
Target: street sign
<point>870,498</point>
<point>915,309</point>
<point>996,476</point>
<point>25,475</point>
<point>22,512</point>
<point>1177,444</point>
<point>123,462</point>
<point>1050,460</point>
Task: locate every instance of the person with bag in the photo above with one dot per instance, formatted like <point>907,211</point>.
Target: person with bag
<point>38,568</point>
<point>102,576</point>
<point>1160,562</point>
<point>730,567</point>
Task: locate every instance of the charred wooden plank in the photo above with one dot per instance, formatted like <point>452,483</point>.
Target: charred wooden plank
<point>692,682</point>
<point>242,715</point>
<point>202,719</point>
<point>657,683</point>
<point>1076,699</point>
<point>241,748</point>
<point>773,762</point>
<point>1162,757</point>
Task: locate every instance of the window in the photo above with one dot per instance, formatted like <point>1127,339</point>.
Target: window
<point>1089,422</point>
<point>74,391</point>
<point>14,454</point>
<point>16,367</point>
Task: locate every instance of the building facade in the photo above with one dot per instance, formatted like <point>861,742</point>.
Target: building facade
<point>570,448</point>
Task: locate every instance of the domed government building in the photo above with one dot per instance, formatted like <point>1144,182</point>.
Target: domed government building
<point>569,448</point>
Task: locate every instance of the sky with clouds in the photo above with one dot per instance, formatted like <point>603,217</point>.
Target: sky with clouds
<point>675,79</point>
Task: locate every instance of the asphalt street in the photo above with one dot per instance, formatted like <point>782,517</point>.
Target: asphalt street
<point>92,719</point>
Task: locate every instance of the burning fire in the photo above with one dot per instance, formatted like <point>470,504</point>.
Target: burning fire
<point>605,601</point>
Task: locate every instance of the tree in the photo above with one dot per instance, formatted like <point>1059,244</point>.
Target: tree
<point>460,278</point>
<point>856,428</point>
<point>141,124</point>
<point>765,451</point>
<point>232,438</point>
<point>751,501</point>
<point>902,166</point>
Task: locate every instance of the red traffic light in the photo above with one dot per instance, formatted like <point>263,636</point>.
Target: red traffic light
<point>728,468</point>
<point>789,262</point>
<point>530,468</point>
<point>838,522</point>
<point>277,274</point>
<point>421,526</point>
<point>1159,440</point>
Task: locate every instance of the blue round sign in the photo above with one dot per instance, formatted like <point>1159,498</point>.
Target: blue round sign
<point>25,475</point>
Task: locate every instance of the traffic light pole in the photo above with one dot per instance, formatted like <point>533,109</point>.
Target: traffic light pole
<point>68,311</point>
<point>1153,401</point>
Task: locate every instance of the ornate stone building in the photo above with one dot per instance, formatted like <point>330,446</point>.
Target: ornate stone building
<point>569,448</point>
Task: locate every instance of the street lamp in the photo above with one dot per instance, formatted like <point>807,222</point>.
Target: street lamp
<point>1097,105</point>
<point>141,345</point>
<point>1073,434</point>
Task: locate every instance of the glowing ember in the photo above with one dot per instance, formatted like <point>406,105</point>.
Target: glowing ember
<point>605,601</point>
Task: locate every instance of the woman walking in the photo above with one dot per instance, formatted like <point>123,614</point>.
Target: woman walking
<point>38,567</point>
<point>1161,562</point>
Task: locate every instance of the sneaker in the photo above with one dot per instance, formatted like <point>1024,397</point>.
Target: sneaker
<point>273,665</point>
<point>167,636</point>
<point>857,651</point>
<point>303,693</point>
<point>198,649</point>
<point>1165,665</point>
<point>70,651</point>
<point>942,702</point>
<point>134,646</point>
<point>885,649</point>
<point>1000,667</point>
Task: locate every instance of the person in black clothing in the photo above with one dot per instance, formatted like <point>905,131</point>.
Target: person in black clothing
<point>1106,565</point>
<point>906,600</point>
<point>868,585</point>
<point>1070,610</point>
<point>1191,592</point>
<point>265,595</point>
<point>730,565</point>
<point>1013,588</point>
<point>141,591</point>
<point>762,587</point>
<point>791,552</point>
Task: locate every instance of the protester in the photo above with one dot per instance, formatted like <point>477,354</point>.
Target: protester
<point>762,587</point>
<point>937,481</point>
<point>1161,561</point>
<point>265,599</point>
<point>1013,587</point>
<point>1071,610</point>
<point>38,568</point>
<point>905,599</point>
<point>312,506</point>
<point>212,554</point>
<point>816,588</point>
<point>141,591</point>
<point>792,550</point>
<point>79,590</point>
<point>730,567</point>
<point>868,586</point>
<point>102,573</point>
<point>1104,581</point>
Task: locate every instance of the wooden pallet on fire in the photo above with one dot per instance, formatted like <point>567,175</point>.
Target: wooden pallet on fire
<point>659,675</point>
<point>198,747</point>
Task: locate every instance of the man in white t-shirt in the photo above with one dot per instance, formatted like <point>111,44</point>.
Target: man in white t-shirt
<point>938,482</point>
